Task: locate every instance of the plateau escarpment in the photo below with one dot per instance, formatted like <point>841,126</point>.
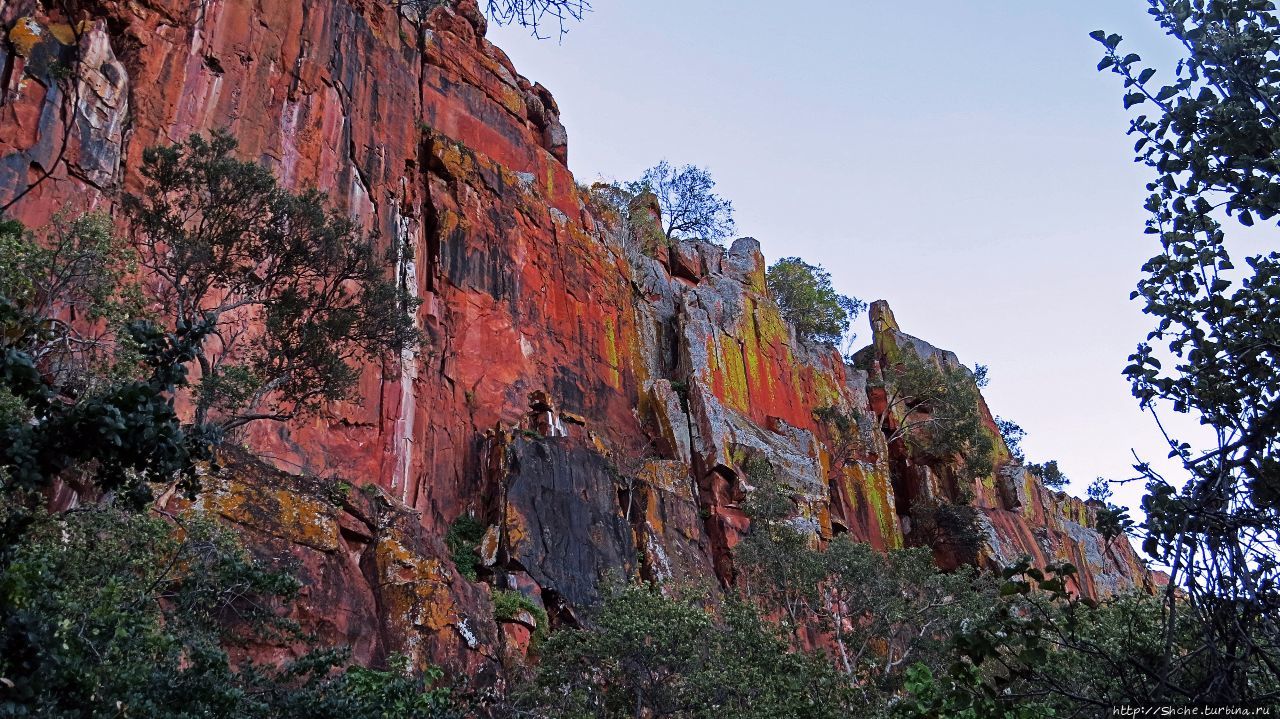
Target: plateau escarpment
<point>591,405</point>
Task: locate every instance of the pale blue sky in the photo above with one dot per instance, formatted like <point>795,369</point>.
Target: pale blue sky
<point>962,159</point>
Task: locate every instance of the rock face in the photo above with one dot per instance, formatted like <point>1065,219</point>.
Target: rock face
<point>594,405</point>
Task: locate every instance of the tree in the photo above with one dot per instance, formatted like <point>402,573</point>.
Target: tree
<point>1209,139</point>
<point>1049,474</point>
<point>809,303</point>
<point>86,384</point>
<point>879,613</point>
<point>649,655</point>
<point>689,207</point>
<point>104,610</point>
<point>115,613</point>
<point>533,14</point>
<point>295,296</point>
<point>1010,431</point>
<point>935,410</point>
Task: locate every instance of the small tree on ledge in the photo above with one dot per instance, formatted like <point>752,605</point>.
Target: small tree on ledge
<point>690,210</point>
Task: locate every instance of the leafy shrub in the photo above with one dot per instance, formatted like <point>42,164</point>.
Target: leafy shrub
<point>112,613</point>
<point>954,527</point>
<point>649,655</point>
<point>809,303</point>
<point>224,242</point>
<point>463,540</point>
<point>935,409</point>
<point>1012,434</point>
<point>508,604</point>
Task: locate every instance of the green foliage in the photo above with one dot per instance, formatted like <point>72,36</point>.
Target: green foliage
<point>1207,133</point>
<point>1012,434</point>
<point>953,527</point>
<point>116,437</point>
<point>508,604</point>
<point>935,409</point>
<point>73,284</point>
<point>879,612</point>
<point>463,541</point>
<point>690,210</point>
<point>227,244</point>
<point>981,375</point>
<point>1049,474</point>
<point>809,303</point>
<point>649,655</point>
<point>1042,647</point>
<point>1112,520</point>
<point>112,613</point>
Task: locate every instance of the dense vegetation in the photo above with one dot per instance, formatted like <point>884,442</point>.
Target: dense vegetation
<point>108,609</point>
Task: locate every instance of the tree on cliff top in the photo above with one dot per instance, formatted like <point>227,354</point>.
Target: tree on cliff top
<point>533,14</point>
<point>809,303</point>
<point>295,294</point>
<point>934,409</point>
<point>690,210</point>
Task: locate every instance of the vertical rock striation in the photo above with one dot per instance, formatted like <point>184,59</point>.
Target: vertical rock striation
<point>592,405</point>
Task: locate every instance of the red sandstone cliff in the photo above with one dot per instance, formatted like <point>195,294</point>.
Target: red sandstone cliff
<point>590,404</point>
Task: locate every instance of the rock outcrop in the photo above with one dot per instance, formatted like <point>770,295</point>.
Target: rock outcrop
<point>594,405</point>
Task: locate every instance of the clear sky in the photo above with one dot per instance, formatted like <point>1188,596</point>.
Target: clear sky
<point>962,159</point>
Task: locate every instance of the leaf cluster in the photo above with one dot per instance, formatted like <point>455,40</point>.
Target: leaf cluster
<point>936,410</point>
<point>1208,135</point>
<point>809,303</point>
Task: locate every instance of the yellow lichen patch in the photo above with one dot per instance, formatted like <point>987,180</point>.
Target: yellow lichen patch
<point>63,33</point>
<point>415,587</point>
<point>280,512</point>
<point>515,529</point>
<point>25,35</point>
<point>756,374</point>
<point>732,372</point>
<point>770,325</point>
<point>666,475</point>
<point>512,100</point>
<point>456,162</point>
<point>611,357</point>
<point>826,389</point>
<point>878,491</point>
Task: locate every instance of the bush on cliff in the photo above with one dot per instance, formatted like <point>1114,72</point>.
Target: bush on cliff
<point>104,610</point>
<point>1049,474</point>
<point>936,410</point>
<point>809,303</point>
<point>877,613</point>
